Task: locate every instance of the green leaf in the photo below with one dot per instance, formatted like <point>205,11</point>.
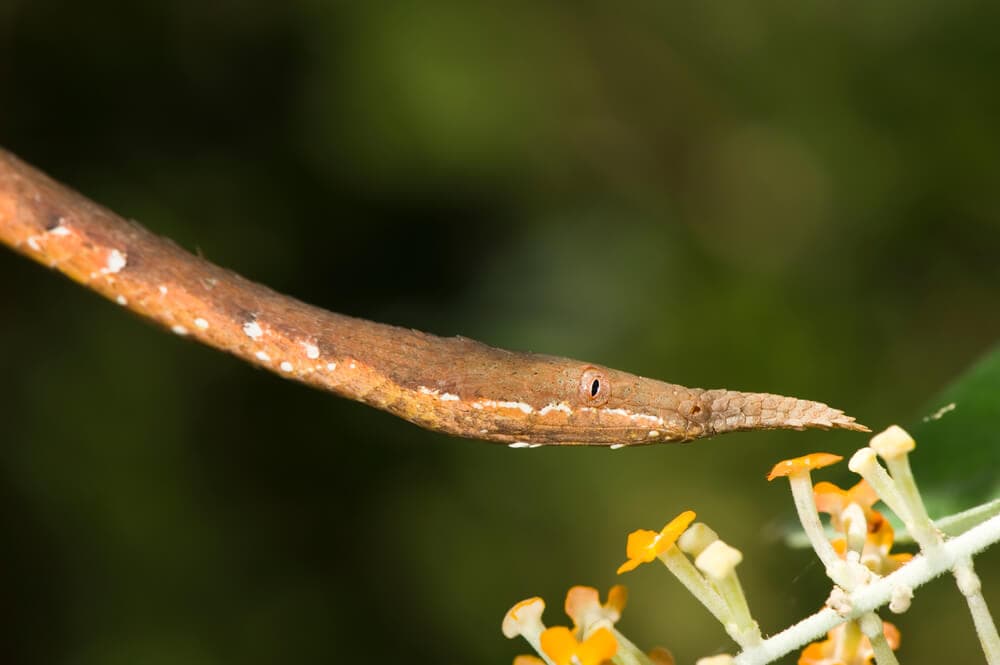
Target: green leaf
<point>957,460</point>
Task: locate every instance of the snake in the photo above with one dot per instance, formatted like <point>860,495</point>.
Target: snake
<point>453,385</point>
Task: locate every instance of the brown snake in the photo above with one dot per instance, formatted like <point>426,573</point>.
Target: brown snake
<point>453,385</point>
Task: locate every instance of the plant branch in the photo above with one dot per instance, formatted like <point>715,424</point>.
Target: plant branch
<point>869,597</point>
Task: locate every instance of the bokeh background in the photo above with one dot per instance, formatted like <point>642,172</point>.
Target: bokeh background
<point>768,195</point>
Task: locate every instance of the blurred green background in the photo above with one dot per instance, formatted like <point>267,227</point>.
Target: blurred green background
<point>767,195</point>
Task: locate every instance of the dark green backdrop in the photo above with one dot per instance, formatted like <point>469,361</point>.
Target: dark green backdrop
<point>767,195</point>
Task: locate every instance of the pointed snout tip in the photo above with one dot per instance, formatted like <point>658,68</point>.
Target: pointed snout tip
<point>849,423</point>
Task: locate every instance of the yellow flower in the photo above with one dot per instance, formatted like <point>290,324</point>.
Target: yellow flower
<point>583,606</point>
<point>875,554</point>
<point>879,533</point>
<point>797,465</point>
<point>563,648</point>
<point>834,501</point>
<point>643,545</point>
<point>846,645</point>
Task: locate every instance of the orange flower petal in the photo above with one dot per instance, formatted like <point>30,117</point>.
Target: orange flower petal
<point>583,605</point>
<point>559,644</point>
<point>599,647</point>
<point>891,634</point>
<point>790,467</point>
<point>617,597</point>
<point>638,549</point>
<point>629,565</point>
<point>816,654</point>
<point>674,529</point>
<point>661,656</point>
<point>863,494</point>
<point>580,601</point>
<point>640,545</point>
<point>643,545</point>
<point>898,560</point>
<point>830,499</point>
<point>881,537</point>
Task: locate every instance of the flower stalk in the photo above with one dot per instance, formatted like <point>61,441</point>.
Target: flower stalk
<point>718,562</point>
<point>970,586</point>
<point>873,629</point>
<point>894,446</point>
<point>867,598</point>
<point>859,559</point>
<point>696,584</point>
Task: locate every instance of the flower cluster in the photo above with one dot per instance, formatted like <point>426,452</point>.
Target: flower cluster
<point>593,639</point>
<point>857,554</point>
<point>857,557</point>
<point>704,564</point>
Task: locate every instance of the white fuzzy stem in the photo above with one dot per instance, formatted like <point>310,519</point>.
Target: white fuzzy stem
<point>869,597</point>
<point>919,523</point>
<point>805,506</point>
<point>628,653</point>
<point>969,585</point>
<point>682,568</point>
<point>871,626</point>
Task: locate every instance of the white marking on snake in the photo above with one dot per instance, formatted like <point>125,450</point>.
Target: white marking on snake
<point>253,330</point>
<point>561,406</point>
<point>116,261</point>
<point>523,407</point>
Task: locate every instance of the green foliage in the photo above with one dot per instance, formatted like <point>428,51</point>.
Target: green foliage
<point>959,447</point>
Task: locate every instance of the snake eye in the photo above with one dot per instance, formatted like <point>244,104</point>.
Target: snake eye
<point>595,389</point>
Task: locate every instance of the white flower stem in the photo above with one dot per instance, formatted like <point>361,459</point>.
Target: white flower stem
<point>865,463</point>
<point>682,568</point>
<point>871,626</point>
<point>536,644</point>
<point>534,638</point>
<point>805,505</point>
<point>919,522</point>
<point>969,585</point>
<point>867,598</point>
<point>745,631</point>
<point>628,653</point>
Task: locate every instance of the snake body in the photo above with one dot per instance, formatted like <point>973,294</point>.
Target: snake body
<point>448,384</point>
